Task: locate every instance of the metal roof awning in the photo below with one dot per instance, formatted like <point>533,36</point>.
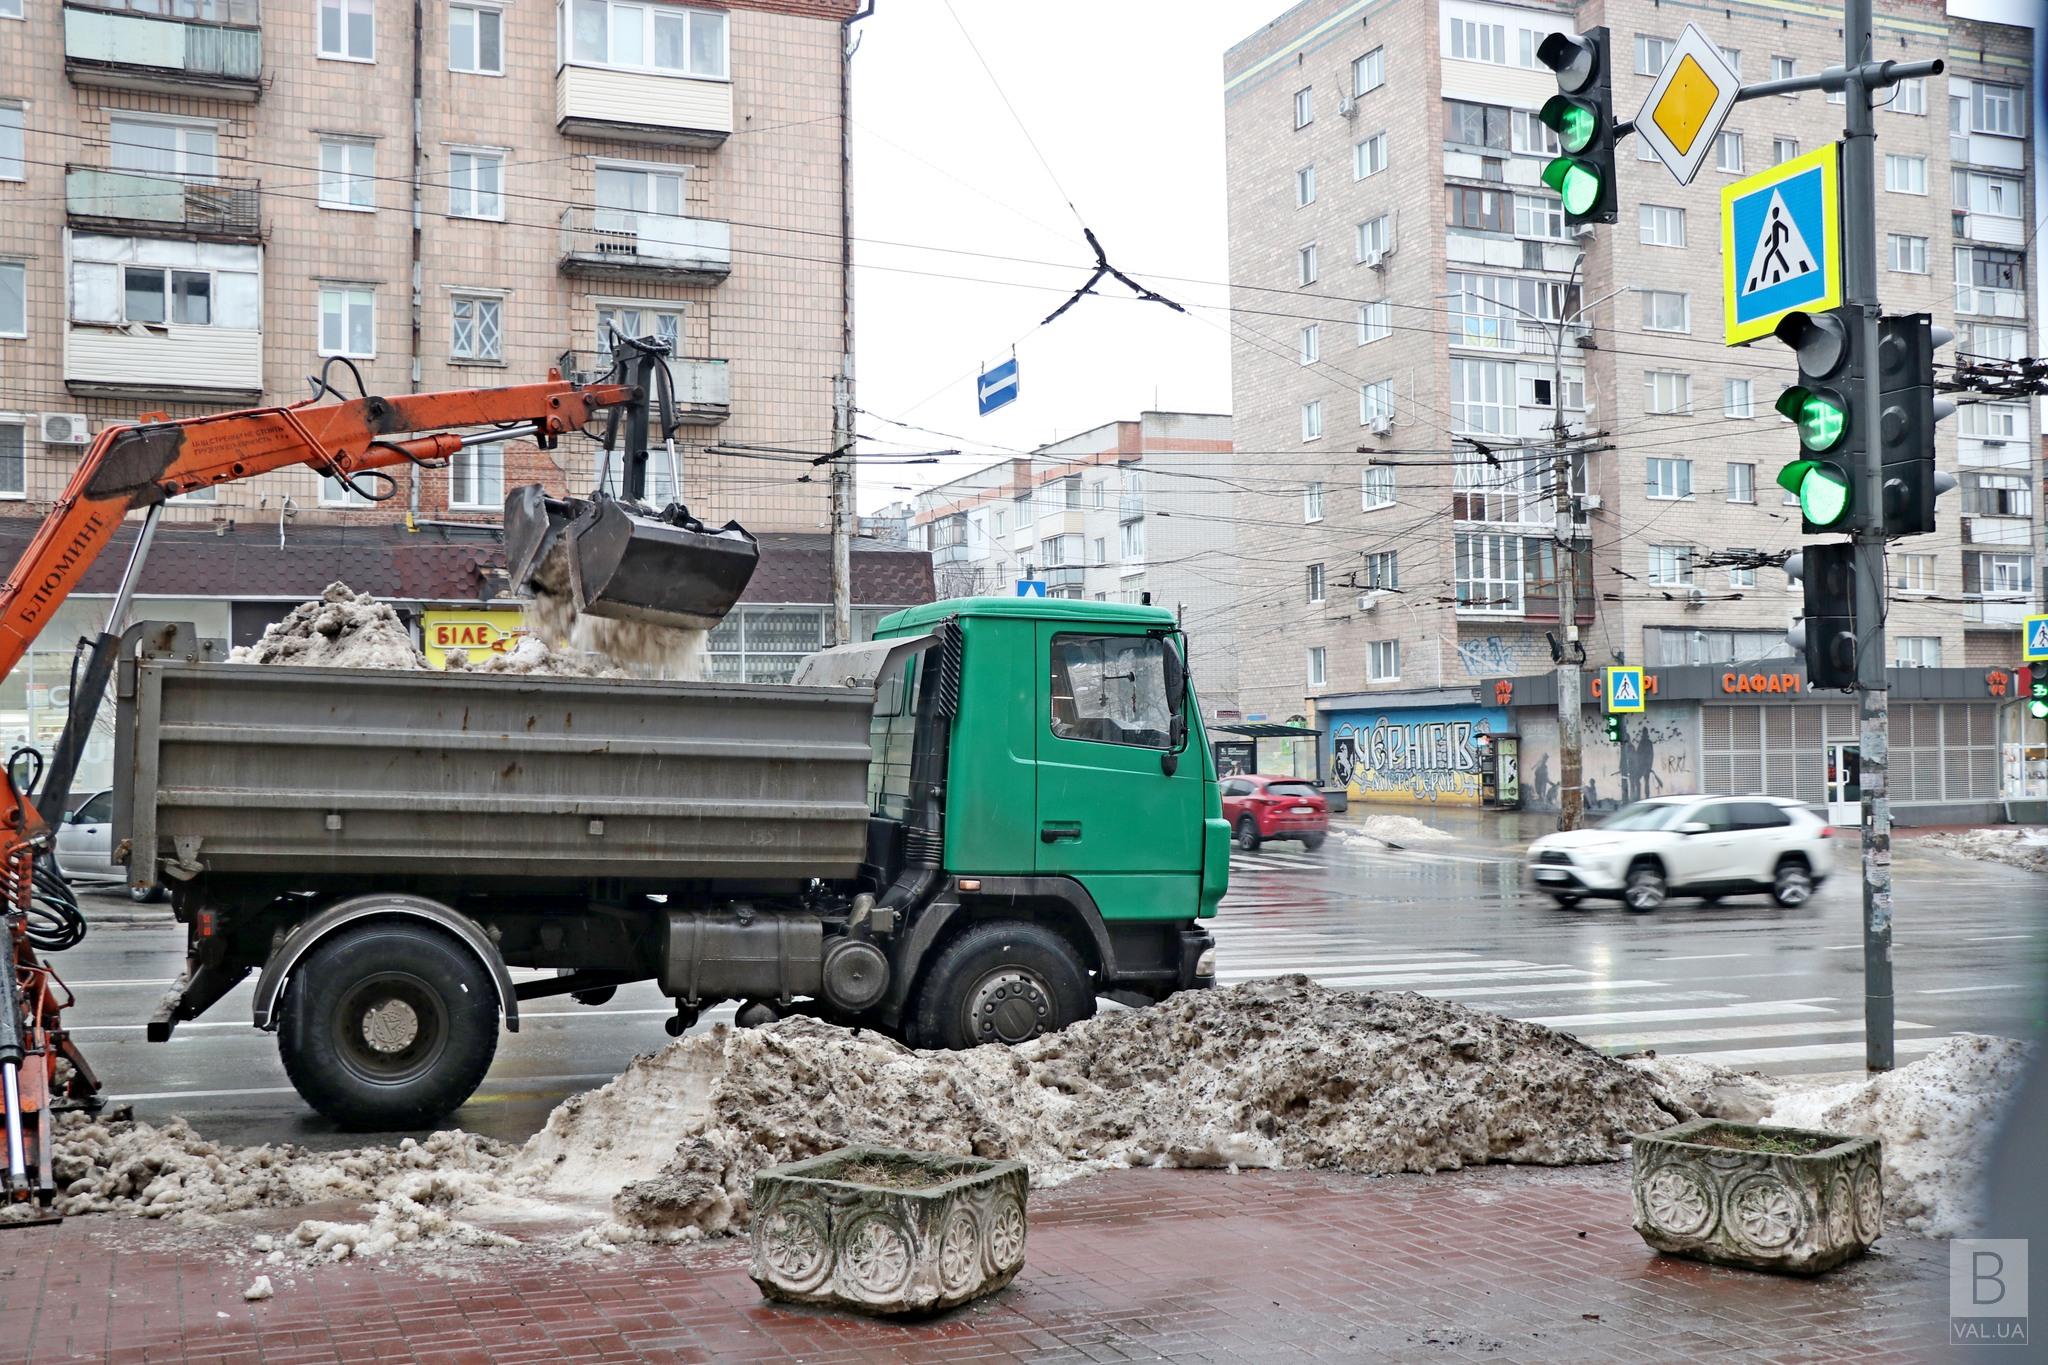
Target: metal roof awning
<point>1263,729</point>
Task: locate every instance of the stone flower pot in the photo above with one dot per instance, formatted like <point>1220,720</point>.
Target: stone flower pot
<point>883,1231</point>
<point>1743,1194</point>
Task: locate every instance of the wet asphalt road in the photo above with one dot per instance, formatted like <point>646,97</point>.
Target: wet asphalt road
<point>1742,983</point>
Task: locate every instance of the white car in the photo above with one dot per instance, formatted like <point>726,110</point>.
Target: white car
<point>1706,846</point>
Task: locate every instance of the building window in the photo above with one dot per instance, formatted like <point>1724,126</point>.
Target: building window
<point>159,297</point>
<point>1312,501</point>
<point>1540,216</point>
<point>1375,322</point>
<point>477,331</point>
<point>348,30</point>
<point>1913,573</point>
<point>1991,341</point>
<point>1312,420</point>
<point>1472,41</point>
<point>13,299</point>
<point>1304,187</point>
<point>1909,97</point>
<point>1482,397</point>
<point>1382,572</point>
<point>1478,125</point>
<point>1741,482</point>
<point>1738,398</point>
<point>639,37</point>
<point>1651,54</point>
<point>1374,238</point>
<point>1677,646</point>
<point>1097,494</point>
<point>1669,478</point>
<point>476,41</point>
<point>1997,495</point>
<point>1489,572</point>
<point>1667,393</point>
<point>1484,210</point>
<point>1661,226</point>
<point>336,493</point>
<point>1532,136</point>
<point>1376,403</point>
<point>1670,566</point>
<point>1369,157</point>
<point>666,324</point>
<point>1375,489</point>
<point>1783,149</point>
<point>1742,577</point>
<point>1318,671</point>
<point>1905,174</point>
<point>348,174</point>
<point>1998,196</point>
<point>1666,311</point>
<point>1728,151</point>
<point>348,322</point>
<point>2000,575</point>
<point>1916,651</point>
<point>1733,56</point>
<point>1304,106</point>
<point>476,184</point>
<point>1131,544</point>
<point>1994,109</point>
<point>113,291</point>
<point>1098,551</point>
<point>162,147</point>
<point>1908,254</point>
<point>1311,344</point>
<point>1383,661</point>
<point>1783,69</point>
<point>13,158</point>
<point>476,477</point>
<point>10,9</point>
<point>13,459</point>
<point>1315,583</point>
<point>1305,264</point>
<point>1991,421</point>
<point>1369,72</point>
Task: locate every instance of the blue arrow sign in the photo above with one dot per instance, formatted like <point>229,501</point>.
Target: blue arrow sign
<point>1031,587</point>
<point>998,386</point>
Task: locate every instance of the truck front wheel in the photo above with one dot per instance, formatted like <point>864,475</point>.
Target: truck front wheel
<point>388,1026</point>
<point>1002,982</point>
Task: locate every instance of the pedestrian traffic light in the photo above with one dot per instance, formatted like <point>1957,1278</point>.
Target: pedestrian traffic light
<point>1826,634</point>
<point>1582,116</point>
<point>2037,690</point>
<point>1907,414</point>
<point>1613,728</point>
<point>1821,405</point>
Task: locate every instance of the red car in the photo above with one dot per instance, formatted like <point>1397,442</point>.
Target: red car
<point>1261,807</point>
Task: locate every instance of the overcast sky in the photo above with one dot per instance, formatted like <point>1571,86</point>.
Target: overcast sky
<point>1124,100</point>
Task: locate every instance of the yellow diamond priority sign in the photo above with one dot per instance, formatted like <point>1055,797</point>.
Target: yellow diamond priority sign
<point>1687,104</point>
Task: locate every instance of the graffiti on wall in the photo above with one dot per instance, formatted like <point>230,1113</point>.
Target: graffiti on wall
<point>1487,657</point>
<point>1654,758</point>
<point>1425,755</point>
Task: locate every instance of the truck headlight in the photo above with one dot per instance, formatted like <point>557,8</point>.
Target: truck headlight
<point>1205,965</point>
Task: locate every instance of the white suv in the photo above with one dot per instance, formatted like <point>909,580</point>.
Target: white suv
<point>1706,846</point>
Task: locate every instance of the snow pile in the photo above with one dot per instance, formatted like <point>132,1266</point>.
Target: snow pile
<point>338,629</point>
<point>1936,1119</point>
<point>528,655</point>
<point>1402,831</point>
<point>1276,1073</point>
<point>2021,846</point>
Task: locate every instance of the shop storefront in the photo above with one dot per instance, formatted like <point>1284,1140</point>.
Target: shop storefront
<point>1419,749</point>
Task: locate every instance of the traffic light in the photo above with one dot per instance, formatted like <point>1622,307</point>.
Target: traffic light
<point>1822,406</point>
<point>1613,728</point>
<point>1827,633</point>
<point>1582,116</point>
<point>1908,411</point>
<point>2037,690</point>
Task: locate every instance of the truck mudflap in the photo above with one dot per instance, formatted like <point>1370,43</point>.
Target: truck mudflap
<point>1197,958</point>
<point>198,988</point>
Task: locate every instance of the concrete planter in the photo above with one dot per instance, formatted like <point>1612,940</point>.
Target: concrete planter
<point>1785,1199</point>
<point>883,1231</point>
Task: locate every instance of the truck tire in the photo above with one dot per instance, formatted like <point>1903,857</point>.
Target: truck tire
<point>1002,982</point>
<point>388,1026</point>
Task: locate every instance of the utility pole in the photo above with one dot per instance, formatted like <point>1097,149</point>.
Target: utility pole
<point>842,380</point>
<point>1571,796</point>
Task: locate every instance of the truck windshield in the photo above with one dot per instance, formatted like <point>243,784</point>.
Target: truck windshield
<point>1111,689</point>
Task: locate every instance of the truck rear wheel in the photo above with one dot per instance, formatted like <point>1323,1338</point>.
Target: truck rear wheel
<point>1002,982</point>
<point>388,1026</point>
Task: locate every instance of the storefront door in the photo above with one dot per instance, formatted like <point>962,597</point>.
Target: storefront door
<point>1845,785</point>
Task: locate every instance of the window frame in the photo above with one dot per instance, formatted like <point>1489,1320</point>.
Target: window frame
<point>649,41</point>
<point>1304,107</point>
<point>1375,321</point>
<point>1305,186</point>
<point>1378,655</point>
<point>477,8</point>
<point>342,8</point>
<point>1664,215</point>
<point>1746,483</point>
<point>1316,666</point>
<point>18,424</point>
<point>1893,240</point>
<point>1683,559</point>
<point>1668,478</point>
<point>478,157</point>
<point>1373,63</point>
<point>346,292</point>
<point>477,298</point>
<point>1312,420</point>
<point>182,155</point>
<point>474,464</point>
<point>1307,265</point>
<point>1742,411</point>
<point>14,131</point>
<point>20,268</point>
<point>1370,484</point>
<point>347,179</point>
<point>1723,140</point>
<point>1316,583</point>
<point>1892,159</point>
<point>1361,156</point>
<point>1652,298</point>
<point>1312,502</point>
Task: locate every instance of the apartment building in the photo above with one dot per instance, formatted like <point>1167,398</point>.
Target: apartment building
<point>1384,165</point>
<point>1130,511</point>
<point>210,200</point>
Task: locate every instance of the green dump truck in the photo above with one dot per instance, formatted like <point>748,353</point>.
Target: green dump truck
<point>963,832</point>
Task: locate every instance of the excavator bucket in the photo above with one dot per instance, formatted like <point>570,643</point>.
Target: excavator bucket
<point>617,559</point>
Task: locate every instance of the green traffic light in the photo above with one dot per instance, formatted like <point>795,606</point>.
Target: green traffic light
<point>1577,128</point>
<point>1821,416</point>
<point>1822,490</point>
<point>1575,181</point>
<point>2038,709</point>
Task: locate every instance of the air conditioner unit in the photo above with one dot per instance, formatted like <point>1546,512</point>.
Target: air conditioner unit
<point>1369,601</point>
<point>65,429</point>
<point>1695,598</point>
<point>1583,230</point>
<point>1589,502</point>
<point>1381,424</point>
<point>1347,105</point>
<point>1375,260</point>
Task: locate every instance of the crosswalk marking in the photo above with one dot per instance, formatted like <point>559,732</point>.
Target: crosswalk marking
<point>1811,1052</point>
<point>1799,1029</point>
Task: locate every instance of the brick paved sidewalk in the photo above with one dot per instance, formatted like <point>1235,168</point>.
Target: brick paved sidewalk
<point>1496,1265</point>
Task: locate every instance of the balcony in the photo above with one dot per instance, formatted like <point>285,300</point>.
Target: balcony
<point>619,244</point>
<point>1980,612</point>
<point>957,553</point>
<point>703,388</point>
<point>642,106</point>
<point>209,47</point>
<point>220,209</point>
<point>1130,507</point>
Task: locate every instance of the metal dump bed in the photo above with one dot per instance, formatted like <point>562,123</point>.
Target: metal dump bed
<point>258,769</point>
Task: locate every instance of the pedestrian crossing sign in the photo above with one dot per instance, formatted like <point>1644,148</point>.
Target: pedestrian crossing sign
<point>1781,243</point>
<point>1624,690</point>
<point>2034,640</point>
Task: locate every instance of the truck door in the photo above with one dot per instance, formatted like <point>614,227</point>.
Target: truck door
<point>1109,814</point>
